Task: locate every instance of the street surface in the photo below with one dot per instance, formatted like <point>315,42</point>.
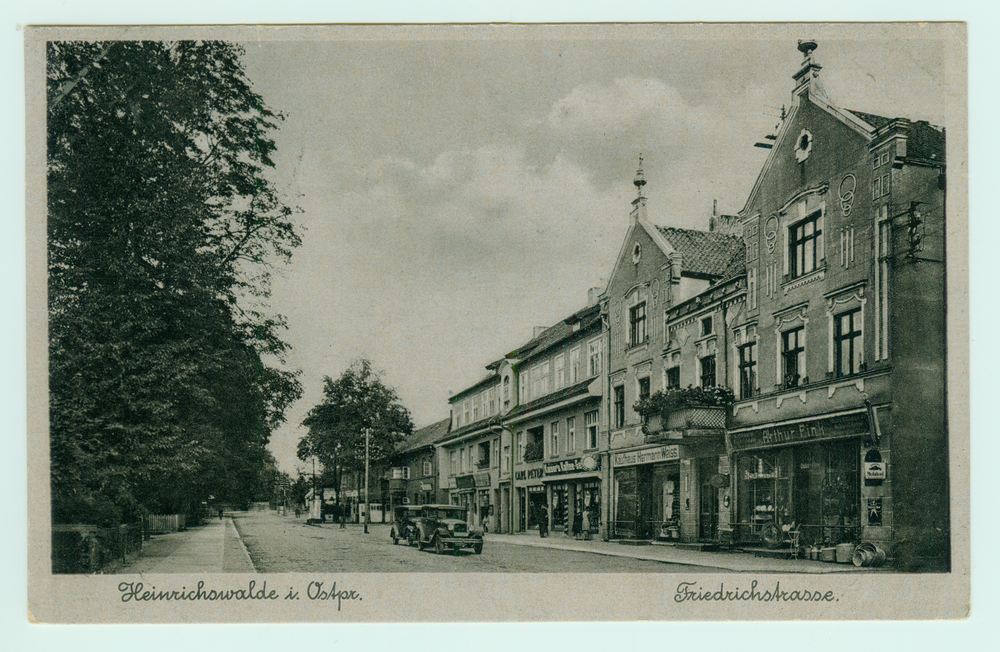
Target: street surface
<point>284,544</point>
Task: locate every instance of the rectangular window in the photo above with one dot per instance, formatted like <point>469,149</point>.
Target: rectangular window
<point>847,340</point>
<point>428,469</point>
<point>708,371</point>
<point>406,473</point>
<point>644,388</point>
<point>554,439</point>
<point>560,371</point>
<point>637,322</point>
<point>475,409</point>
<point>465,460</point>
<point>748,370</point>
<point>793,356</point>
<point>454,463</point>
<point>466,411</point>
<point>706,326</point>
<point>804,246</point>
<point>594,357</point>
<point>750,240</point>
<point>590,421</point>
<point>674,378</point>
<point>520,446</point>
<point>574,365</point>
<point>506,459</point>
<point>570,434</point>
<point>522,387</point>
<point>619,406</point>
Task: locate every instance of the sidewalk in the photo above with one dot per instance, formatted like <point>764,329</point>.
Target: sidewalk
<point>211,548</point>
<point>732,561</point>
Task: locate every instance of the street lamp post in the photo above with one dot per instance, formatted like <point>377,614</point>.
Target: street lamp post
<point>367,503</point>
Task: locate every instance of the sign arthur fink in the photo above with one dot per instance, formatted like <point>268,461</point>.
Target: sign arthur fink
<point>847,425</point>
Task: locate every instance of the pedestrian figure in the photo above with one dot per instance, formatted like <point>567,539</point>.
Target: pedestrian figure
<point>298,512</point>
<point>220,513</point>
<point>543,523</point>
<point>343,518</point>
<point>577,526</point>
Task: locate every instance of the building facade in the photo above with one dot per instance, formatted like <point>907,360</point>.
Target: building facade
<point>844,433</point>
<point>413,473</point>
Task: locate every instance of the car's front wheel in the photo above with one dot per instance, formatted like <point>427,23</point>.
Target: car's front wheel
<point>438,546</point>
<point>420,542</point>
<point>478,548</point>
<point>395,539</point>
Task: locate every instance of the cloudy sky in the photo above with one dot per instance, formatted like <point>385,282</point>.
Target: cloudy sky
<point>461,186</point>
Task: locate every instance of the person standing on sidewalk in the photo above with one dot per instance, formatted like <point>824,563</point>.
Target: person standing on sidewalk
<point>543,523</point>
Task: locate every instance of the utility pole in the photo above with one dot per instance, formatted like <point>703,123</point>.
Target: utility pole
<point>368,506</point>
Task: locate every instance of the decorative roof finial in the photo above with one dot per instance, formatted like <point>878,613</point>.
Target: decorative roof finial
<point>806,47</point>
<point>640,179</point>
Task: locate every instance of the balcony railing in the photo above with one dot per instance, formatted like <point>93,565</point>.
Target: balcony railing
<point>483,464</point>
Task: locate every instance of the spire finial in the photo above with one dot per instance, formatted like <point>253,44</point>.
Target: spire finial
<point>640,179</point>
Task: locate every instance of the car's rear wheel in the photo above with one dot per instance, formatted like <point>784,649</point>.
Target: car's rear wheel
<point>438,546</point>
<point>478,548</point>
<point>420,542</point>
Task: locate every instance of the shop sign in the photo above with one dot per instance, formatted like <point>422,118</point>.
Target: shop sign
<point>530,474</point>
<point>452,484</point>
<point>465,482</point>
<point>875,470</point>
<point>482,479</point>
<point>350,493</point>
<point>648,456</point>
<point>848,425</point>
<point>426,486</point>
<point>588,463</point>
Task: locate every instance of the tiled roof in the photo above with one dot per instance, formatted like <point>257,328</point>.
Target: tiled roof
<point>485,380</point>
<point>704,252</point>
<point>737,266</point>
<point>566,392</point>
<point>877,121</point>
<point>425,436</point>
<point>553,335</point>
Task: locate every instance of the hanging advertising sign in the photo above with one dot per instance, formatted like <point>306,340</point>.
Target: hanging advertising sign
<point>875,470</point>
<point>482,479</point>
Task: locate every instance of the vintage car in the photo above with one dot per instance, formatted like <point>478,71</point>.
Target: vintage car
<point>443,527</point>
<point>404,519</point>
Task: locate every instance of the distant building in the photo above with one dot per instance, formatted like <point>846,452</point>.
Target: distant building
<point>413,472</point>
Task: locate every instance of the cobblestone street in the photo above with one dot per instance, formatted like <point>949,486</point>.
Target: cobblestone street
<point>283,544</point>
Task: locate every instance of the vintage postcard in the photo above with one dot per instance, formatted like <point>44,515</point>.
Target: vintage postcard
<point>498,323</point>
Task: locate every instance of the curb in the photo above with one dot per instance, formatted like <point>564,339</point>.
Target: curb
<point>243,547</point>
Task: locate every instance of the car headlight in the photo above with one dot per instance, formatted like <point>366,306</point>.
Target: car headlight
<point>451,527</point>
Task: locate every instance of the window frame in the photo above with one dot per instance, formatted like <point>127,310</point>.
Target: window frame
<point>570,434</point>
<point>619,406</point>
<point>854,339</point>
<point>798,354</point>
<point>591,421</point>
<point>712,375</point>
<point>745,366</point>
<point>554,439</point>
<point>802,243</point>
<point>638,333</point>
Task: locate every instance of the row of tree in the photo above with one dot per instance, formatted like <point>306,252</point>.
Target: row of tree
<point>166,372</point>
<point>358,413</point>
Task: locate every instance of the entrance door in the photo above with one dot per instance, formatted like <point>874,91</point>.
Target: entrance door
<point>708,514</point>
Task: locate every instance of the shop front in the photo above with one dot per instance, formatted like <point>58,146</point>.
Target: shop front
<point>463,494</point>
<point>646,492</point>
<point>574,495</point>
<point>804,476</point>
<point>483,504</point>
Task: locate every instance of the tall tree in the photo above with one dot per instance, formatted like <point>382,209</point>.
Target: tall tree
<point>356,402</point>
<point>166,368</point>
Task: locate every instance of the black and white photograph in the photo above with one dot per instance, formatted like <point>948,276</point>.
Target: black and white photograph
<point>482,322</point>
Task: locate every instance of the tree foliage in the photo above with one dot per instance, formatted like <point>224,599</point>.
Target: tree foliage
<point>165,365</point>
<point>357,401</point>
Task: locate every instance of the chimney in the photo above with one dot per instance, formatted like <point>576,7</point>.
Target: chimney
<point>538,330</point>
<point>593,295</point>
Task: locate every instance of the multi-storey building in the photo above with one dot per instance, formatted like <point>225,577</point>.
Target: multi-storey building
<point>657,470</point>
<point>469,455</point>
<point>555,425</point>
<point>414,478</point>
<point>842,430</point>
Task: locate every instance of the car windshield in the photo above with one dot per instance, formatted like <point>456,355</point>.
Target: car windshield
<point>457,513</point>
